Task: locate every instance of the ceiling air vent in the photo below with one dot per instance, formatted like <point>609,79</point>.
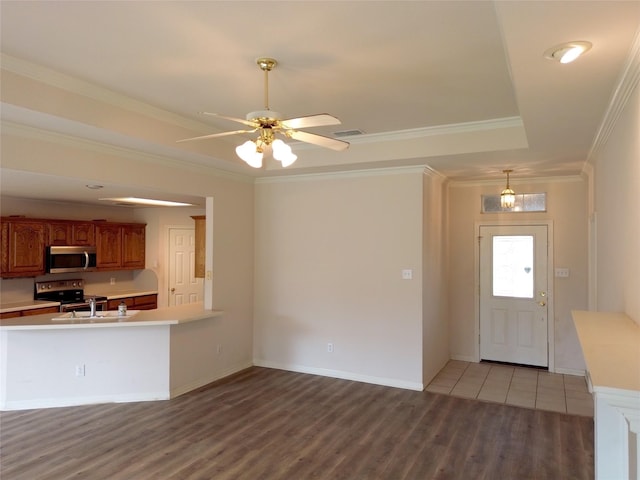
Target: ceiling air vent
<point>348,133</point>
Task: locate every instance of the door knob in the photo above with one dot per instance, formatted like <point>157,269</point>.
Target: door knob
<point>173,290</point>
<point>542,304</point>
<point>543,294</point>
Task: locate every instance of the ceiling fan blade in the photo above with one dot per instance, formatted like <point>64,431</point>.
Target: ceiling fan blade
<point>307,121</point>
<point>249,123</point>
<point>214,135</point>
<point>320,140</point>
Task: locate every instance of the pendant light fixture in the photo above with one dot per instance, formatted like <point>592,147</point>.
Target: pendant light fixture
<point>508,196</point>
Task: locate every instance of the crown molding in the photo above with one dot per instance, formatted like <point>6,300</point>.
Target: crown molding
<point>371,172</point>
<point>80,87</point>
<point>24,131</point>
<point>517,181</point>
<point>90,90</point>
<point>625,87</point>
<point>423,132</point>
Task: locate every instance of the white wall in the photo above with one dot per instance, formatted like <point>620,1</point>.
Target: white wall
<point>233,217</point>
<point>567,208</point>
<point>329,255</point>
<point>435,321</point>
<point>617,213</point>
<point>38,367</point>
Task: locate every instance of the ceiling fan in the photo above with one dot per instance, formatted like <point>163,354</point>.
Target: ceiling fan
<point>268,123</point>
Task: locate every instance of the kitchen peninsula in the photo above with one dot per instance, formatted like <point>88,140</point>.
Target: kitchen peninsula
<point>153,355</point>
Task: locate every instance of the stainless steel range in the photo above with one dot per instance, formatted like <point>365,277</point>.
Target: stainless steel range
<point>70,294</point>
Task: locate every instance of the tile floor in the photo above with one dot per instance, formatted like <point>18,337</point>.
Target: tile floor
<point>520,386</point>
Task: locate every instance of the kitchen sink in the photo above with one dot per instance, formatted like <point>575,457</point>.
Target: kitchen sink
<point>108,315</point>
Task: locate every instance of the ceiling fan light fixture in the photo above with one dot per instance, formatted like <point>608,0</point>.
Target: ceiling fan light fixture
<point>248,152</point>
<point>568,52</point>
<point>282,152</point>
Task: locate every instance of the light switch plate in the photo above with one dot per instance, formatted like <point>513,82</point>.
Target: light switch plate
<point>407,274</point>
<point>562,272</point>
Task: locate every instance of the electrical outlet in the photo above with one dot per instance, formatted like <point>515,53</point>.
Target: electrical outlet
<point>80,371</point>
<point>330,347</point>
<point>112,280</point>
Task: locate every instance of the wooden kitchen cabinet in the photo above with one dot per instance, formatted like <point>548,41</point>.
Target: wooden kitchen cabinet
<point>133,246</point>
<point>71,233</point>
<point>120,246</point>
<point>109,247</point>
<point>39,311</point>
<point>23,243</point>
<point>29,312</point>
<point>200,231</point>
<point>140,302</point>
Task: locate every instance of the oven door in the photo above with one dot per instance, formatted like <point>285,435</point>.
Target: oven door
<point>101,306</point>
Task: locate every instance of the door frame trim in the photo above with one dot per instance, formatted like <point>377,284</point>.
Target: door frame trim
<point>551,350</point>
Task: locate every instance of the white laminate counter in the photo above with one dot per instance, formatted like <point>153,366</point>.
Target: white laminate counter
<point>611,347</point>
<point>189,312</point>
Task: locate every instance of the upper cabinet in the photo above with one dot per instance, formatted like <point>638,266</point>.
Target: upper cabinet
<point>72,233</point>
<point>120,246</point>
<point>23,243</point>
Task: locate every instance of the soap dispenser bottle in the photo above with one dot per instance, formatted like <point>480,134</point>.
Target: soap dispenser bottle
<point>122,309</point>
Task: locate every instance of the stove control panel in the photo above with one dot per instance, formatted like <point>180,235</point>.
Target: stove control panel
<point>59,286</point>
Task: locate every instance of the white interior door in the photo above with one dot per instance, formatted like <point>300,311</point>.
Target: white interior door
<point>513,294</point>
<point>184,287</point>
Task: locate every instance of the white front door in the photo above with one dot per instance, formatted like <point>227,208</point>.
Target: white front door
<point>513,294</point>
<point>184,287</point>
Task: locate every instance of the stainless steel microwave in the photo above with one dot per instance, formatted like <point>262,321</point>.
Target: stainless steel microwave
<point>64,259</point>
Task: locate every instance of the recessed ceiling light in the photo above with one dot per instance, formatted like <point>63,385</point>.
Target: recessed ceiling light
<point>94,186</point>
<point>567,52</point>
<point>147,201</point>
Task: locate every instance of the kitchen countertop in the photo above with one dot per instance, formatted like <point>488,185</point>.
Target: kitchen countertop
<point>611,347</point>
<point>180,314</point>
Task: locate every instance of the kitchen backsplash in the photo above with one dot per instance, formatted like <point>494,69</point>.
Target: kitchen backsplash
<point>21,289</point>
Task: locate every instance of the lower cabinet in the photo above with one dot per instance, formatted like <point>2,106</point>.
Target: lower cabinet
<point>141,302</point>
<point>32,311</point>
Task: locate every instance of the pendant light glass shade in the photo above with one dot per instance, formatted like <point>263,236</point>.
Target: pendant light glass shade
<point>508,196</point>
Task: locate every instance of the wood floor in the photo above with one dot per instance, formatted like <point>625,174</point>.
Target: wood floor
<point>272,424</point>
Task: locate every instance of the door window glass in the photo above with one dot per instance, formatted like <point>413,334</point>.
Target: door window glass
<point>513,266</point>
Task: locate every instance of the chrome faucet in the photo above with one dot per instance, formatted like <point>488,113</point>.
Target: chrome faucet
<point>92,307</point>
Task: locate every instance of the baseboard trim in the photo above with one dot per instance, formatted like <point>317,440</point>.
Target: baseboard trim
<point>77,401</point>
<point>324,372</point>
<point>464,358</point>
<point>570,371</point>
<point>201,382</point>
